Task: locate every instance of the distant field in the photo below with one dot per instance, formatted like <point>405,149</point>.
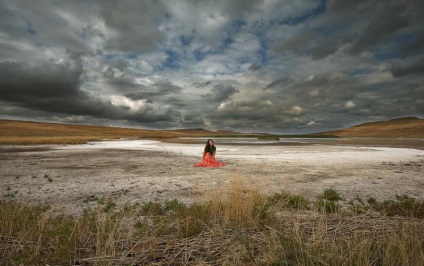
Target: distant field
<point>23,132</point>
<point>20,132</point>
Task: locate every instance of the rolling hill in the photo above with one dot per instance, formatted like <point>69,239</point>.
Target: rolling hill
<point>406,127</point>
<point>24,132</point>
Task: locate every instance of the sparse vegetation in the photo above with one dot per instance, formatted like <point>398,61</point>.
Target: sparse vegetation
<point>236,226</point>
<point>90,198</point>
<point>328,201</point>
<point>46,176</point>
<point>109,205</point>
<point>9,195</point>
<point>402,206</point>
<point>152,208</point>
<point>289,201</point>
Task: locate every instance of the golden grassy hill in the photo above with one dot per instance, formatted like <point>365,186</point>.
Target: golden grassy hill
<point>23,132</point>
<point>407,127</point>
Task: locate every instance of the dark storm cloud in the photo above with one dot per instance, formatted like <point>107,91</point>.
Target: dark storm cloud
<point>192,120</point>
<point>255,67</point>
<point>283,81</point>
<point>42,22</point>
<point>135,24</point>
<point>337,6</point>
<point>48,86</point>
<point>47,79</point>
<point>320,64</point>
<point>259,115</point>
<point>236,7</point>
<point>379,23</point>
<point>55,87</point>
<point>339,100</point>
<point>202,84</point>
<point>389,20</point>
<point>416,67</point>
<point>220,93</point>
<point>415,46</point>
<point>297,43</point>
<point>324,51</point>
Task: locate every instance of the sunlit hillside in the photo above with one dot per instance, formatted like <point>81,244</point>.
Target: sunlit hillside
<point>22,132</point>
<point>407,127</point>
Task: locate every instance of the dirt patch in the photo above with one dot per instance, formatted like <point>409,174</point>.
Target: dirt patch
<point>71,179</point>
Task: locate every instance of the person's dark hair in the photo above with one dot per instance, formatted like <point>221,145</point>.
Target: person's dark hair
<point>207,147</point>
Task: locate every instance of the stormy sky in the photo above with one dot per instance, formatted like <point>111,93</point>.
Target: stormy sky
<point>274,66</point>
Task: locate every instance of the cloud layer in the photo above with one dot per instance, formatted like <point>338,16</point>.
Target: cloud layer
<point>268,66</point>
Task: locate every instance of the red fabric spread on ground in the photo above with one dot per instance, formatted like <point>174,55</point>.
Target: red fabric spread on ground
<point>209,161</point>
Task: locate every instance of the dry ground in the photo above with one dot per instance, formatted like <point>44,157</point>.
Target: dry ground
<point>69,177</point>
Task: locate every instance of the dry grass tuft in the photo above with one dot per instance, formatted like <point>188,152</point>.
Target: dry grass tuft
<point>237,226</point>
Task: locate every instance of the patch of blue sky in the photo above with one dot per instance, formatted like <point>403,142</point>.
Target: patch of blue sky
<point>227,41</point>
<point>111,56</point>
<point>131,56</point>
<point>237,24</point>
<point>380,54</point>
<point>263,50</point>
<point>172,59</point>
<point>264,56</point>
<point>318,10</point>
<point>199,55</point>
<point>186,40</point>
<point>235,27</point>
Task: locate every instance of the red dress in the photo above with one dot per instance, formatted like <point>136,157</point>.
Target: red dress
<point>209,161</point>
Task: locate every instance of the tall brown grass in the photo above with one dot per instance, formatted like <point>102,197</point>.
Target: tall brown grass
<point>235,226</point>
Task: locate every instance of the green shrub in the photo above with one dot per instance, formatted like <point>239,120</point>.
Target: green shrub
<point>372,201</point>
<point>327,206</point>
<point>262,211</point>
<point>90,199</point>
<point>327,201</point>
<point>403,206</point>
<point>173,205</point>
<point>141,226</point>
<point>288,200</point>
<point>109,205</point>
<point>152,208</point>
<point>330,195</point>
